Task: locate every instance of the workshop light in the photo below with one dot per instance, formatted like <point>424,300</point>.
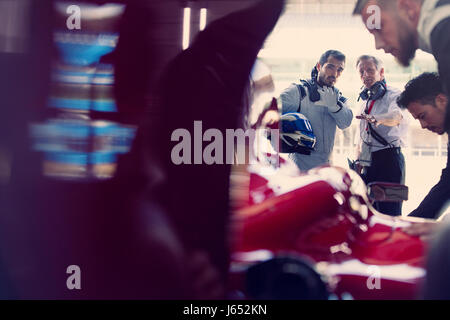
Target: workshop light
<point>203,13</point>
<point>186,27</point>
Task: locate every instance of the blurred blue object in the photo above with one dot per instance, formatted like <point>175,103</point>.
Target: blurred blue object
<point>74,147</point>
<point>84,49</point>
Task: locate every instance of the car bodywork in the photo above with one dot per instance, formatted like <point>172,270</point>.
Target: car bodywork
<point>325,219</point>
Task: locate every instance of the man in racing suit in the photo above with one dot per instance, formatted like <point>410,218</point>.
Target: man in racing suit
<point>322,104</point>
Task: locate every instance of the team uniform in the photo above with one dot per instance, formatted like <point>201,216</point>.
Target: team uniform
<point>297,98</point>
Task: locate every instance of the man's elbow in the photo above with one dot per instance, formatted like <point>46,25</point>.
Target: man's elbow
<point>344,126</point>
<point>346,122</point>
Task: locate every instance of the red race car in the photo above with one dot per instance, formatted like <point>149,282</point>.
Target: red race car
<point>317,236</point>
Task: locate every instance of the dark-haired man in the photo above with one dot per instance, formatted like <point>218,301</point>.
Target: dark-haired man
<point>425,99</point>
<point>322,104</point>
<point>383,130</point>
<point>400,27</point>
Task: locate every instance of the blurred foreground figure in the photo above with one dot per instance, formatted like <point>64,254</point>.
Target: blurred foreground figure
<point>87,187</point>
<point>207,83</point>
<point>73,221</point>
<point>437,284</point>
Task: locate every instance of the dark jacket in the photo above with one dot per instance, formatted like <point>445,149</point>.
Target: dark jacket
<point>438,42</point>
<point>438,196</point>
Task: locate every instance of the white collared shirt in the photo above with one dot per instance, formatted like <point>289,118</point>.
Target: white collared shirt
<point>395,136</point>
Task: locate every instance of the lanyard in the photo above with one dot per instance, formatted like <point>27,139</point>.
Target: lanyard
<point>368,111</point>
<point>370,108</point>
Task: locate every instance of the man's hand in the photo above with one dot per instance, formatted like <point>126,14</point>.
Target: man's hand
<point>369,118</point>
<point>390,119</point>
<point>328,98</point>
<point>424,230</point>
<point>358,168</point>
<point>270,118</point>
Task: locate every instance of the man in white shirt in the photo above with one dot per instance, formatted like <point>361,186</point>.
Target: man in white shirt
<point>383,130</point>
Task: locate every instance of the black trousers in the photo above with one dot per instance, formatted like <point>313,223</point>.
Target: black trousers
<point>388,165</point>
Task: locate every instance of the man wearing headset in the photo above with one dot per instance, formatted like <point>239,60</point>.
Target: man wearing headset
<point>320,102</point>
<point>400,27</point>
<point>383,130</point>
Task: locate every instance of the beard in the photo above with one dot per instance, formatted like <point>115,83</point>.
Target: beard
<point>326,81</point>
<point>438,130</point>
<point>407,41</point>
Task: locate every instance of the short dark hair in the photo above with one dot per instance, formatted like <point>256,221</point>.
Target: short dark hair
<point>334,53</point>
<point>378,62</point>
<point>360,4</point>
<point>424,89</point>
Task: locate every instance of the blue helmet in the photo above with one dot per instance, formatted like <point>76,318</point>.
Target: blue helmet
<point>296,134</point>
